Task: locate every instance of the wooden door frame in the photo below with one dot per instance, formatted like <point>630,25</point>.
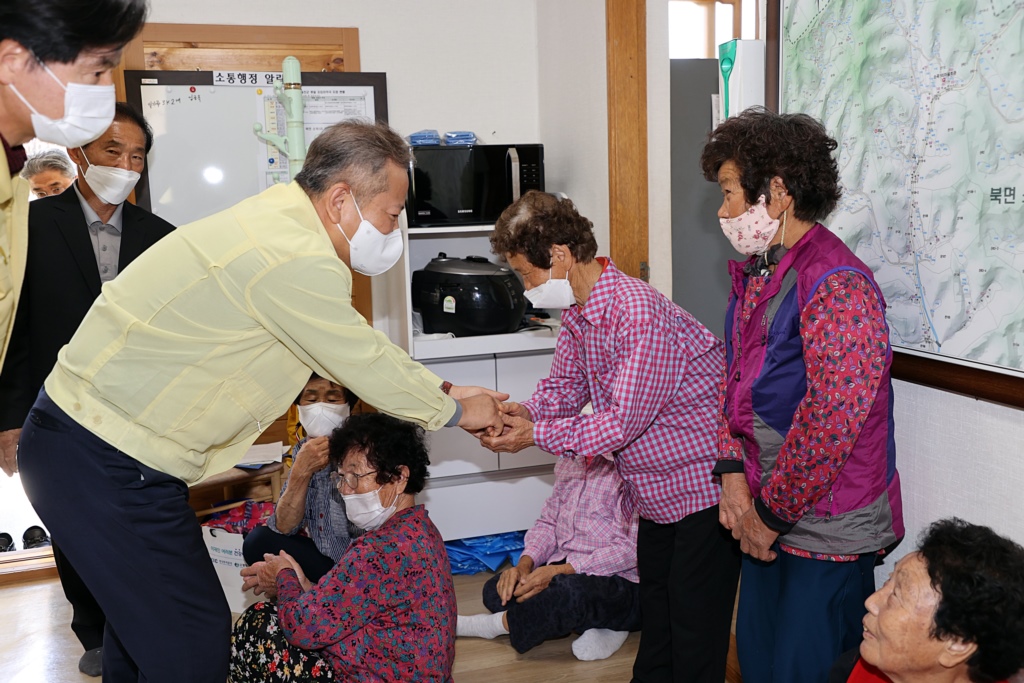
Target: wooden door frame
<point>134,53</point>
<point>626,36</point>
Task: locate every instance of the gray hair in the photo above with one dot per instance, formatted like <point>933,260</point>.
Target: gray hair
<point>54,160</point>
<point>354,152</point>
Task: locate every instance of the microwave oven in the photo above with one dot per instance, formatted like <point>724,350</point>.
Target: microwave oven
<point>471,184</point>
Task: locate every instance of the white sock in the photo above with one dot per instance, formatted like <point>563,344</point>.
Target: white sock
<point>482,626</point>
<point>597,643</point>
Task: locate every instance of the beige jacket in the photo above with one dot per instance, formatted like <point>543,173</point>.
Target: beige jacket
<point>13,248</point>
<point>208,336</point>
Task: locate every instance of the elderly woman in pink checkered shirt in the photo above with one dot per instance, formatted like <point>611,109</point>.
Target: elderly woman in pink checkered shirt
<point>577,572</point>
<point>651,372</point>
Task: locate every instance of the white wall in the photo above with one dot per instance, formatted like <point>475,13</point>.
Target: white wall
<point>659,148</point>
<point>509,70</point>
<point>574,106</point>
<point>452,65</point>
<point>957,456</point>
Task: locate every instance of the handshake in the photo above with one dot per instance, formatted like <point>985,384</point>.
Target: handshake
<point>501,425</point>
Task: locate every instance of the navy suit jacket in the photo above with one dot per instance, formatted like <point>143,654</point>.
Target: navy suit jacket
<point>61,283</point>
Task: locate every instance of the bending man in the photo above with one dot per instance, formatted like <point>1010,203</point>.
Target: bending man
<point>186,356</point>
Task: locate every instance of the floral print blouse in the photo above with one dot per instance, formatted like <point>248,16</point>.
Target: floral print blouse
<point>385,612</point>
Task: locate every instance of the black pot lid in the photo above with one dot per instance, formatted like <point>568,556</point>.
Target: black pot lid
<point>471,265</point>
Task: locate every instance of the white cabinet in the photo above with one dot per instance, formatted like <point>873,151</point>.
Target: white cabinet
<point>454,451</point>
<point>517,375</point>
<point>471,491</point>
<point>490,505</point>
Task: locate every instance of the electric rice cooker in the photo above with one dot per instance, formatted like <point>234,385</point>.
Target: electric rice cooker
<point>468,296</point>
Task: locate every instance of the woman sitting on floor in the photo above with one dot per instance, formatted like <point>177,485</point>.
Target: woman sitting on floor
<point>309,500</point>
<point>577,572</point>
<point>387,610</point>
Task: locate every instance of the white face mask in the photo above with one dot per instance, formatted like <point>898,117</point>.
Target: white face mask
<point>371,252</point>
<point>112,185</point>
<point>365,510</point>
<point>555,294</point>
<point>88,112</point>
<point>321,419</point>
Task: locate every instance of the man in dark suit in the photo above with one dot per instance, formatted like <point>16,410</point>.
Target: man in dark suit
<point>78,240</point>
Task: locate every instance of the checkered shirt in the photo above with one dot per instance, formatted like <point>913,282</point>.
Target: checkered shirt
<point>583,521</point>
<point>324,519</point>
<point>651,372</point>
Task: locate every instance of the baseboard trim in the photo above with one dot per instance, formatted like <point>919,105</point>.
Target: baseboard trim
<point>27,565</point>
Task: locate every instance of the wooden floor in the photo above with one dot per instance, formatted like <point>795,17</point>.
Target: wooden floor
<point>37,645</point>
<point>489,661</point>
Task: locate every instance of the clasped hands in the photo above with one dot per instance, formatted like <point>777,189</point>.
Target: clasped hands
<point>516,433</point>
<point>262,576</point>
<point>736,513</point>
<point>522,581</point>
<point>501,425</point>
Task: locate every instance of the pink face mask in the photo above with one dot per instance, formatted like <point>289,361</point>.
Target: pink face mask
<point>752,231</point>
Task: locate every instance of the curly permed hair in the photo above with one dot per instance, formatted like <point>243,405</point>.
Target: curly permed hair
<point>979,576</point>
<point>763,144</point>
<point>388,444</point>
<point>537,221</point>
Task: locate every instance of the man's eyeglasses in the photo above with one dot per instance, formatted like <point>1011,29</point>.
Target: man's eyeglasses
<point>350,479</point>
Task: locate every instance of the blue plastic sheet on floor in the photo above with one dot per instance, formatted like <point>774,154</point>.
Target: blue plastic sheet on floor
<point>483,553</point>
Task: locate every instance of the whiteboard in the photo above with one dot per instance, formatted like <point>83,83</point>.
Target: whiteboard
<point>205,156</point>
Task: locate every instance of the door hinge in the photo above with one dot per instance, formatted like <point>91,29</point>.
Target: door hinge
<point>645,271</point>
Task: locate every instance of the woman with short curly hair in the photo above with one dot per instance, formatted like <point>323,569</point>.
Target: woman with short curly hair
<point>386,611</point>
<point>805,441</point>
<point>651,372</point>
<point>951,612</point>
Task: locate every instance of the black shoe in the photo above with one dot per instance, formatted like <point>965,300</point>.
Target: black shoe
<point>91,663</point>
<point>35,537</point>
<point>6,542</point>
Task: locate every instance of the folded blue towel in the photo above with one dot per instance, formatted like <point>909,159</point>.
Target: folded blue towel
<point>425,137</point>
<point>460,137</point>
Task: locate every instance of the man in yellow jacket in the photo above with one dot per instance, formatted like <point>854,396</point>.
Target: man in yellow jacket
<point>186,356</point>
<point>56,58</point>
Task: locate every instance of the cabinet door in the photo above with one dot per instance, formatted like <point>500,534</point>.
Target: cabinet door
<point>517,375</point>
<point>453,451</point>
<point>487,507</point>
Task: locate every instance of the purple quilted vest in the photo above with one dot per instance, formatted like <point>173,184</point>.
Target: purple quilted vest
<point>767,380</point>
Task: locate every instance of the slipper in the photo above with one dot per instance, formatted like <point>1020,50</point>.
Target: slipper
<point>35,537</point>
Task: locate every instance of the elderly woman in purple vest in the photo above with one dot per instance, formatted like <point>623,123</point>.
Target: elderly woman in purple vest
<point>806,449</point>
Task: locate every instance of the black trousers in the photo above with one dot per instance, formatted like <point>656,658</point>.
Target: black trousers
<point>87,618</point>
<point>137,545</point>
<point>688,576</point>
<point>572,603</point>
<point>263,539</point>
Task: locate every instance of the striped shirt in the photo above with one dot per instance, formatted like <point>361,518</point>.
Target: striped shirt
<point>651,372</point>
<point>583,523</point>
<point>324,520</point>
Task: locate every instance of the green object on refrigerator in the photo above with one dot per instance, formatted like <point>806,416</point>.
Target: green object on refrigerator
<point>726,61</point>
